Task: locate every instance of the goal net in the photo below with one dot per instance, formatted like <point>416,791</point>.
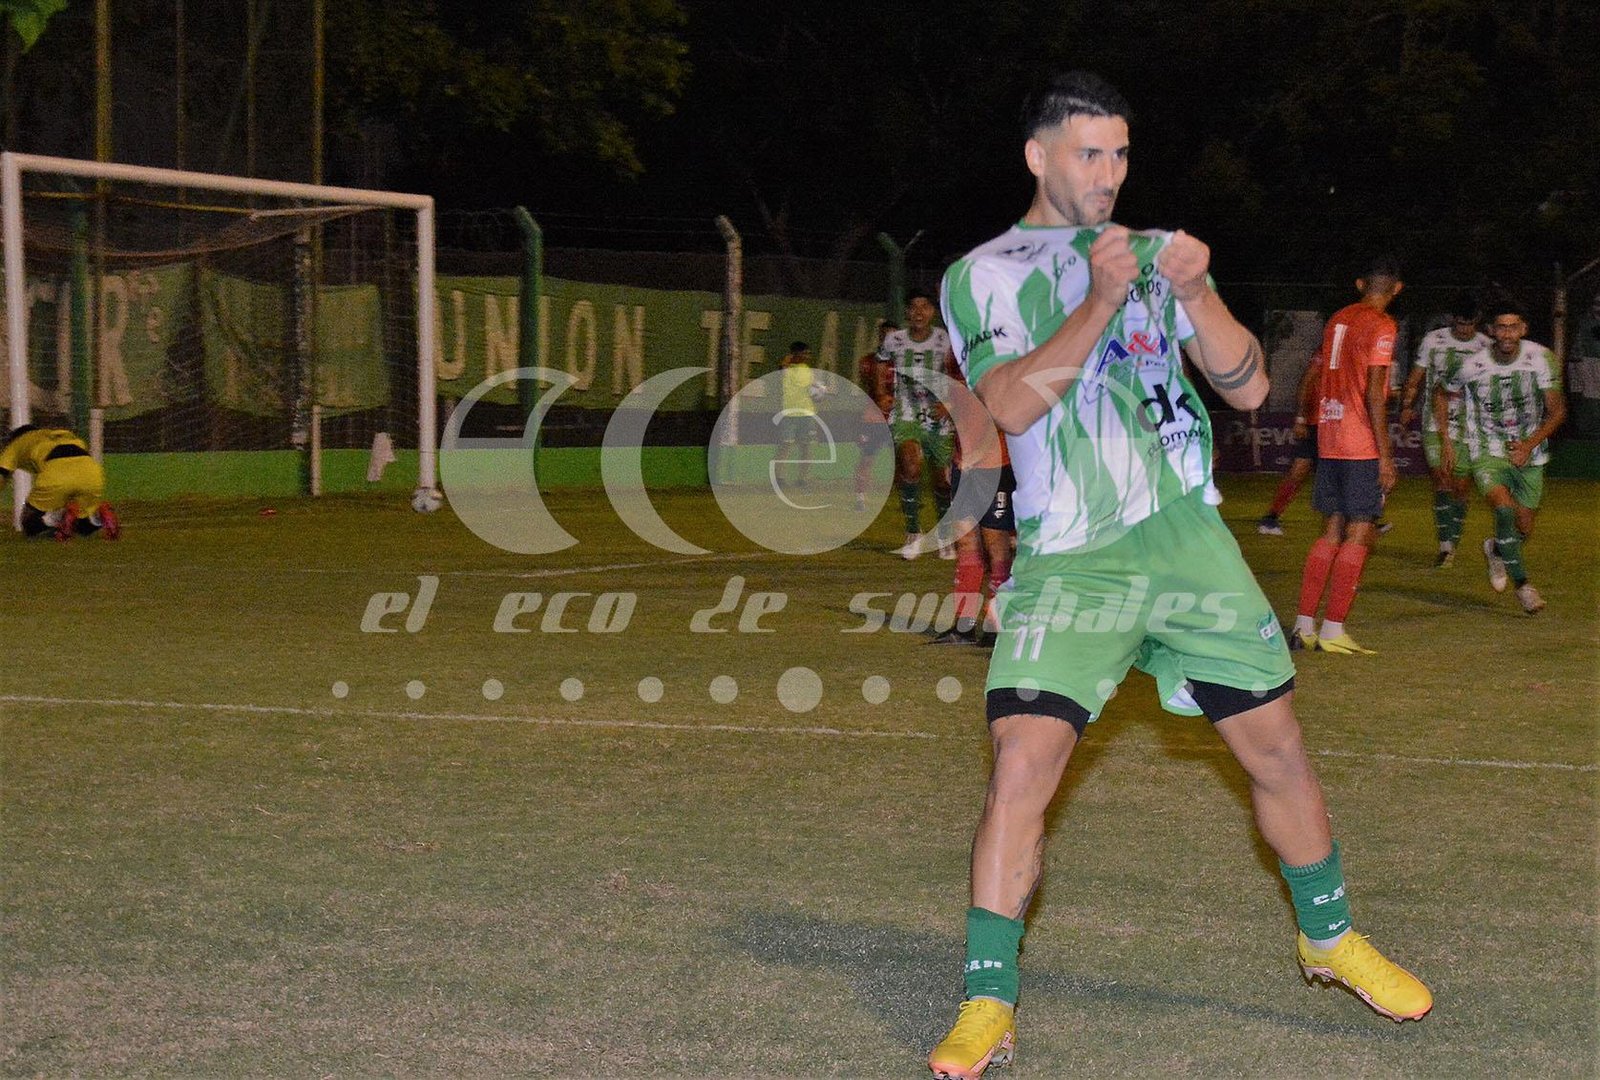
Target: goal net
<point>220,335</point>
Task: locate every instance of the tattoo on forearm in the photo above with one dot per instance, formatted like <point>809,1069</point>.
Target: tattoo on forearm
<point>1243,372</point>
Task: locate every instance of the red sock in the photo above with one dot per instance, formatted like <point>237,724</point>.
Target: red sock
<point>999,573</point>
<point>1319,562</point>
<point>1346,579</point>
<point>1284,497</point>
<point>969,584</point>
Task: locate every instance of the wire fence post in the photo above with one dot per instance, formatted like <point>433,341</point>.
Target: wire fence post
<point>532,289</point>
<point>728,359</point>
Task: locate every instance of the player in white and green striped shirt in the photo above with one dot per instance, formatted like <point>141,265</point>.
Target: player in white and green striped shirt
<point>1439,357</point>
<point>1511,402</point>
<point>1073,332</point>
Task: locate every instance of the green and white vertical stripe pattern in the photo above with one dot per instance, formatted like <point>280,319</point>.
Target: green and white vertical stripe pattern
<point>1503,401</point>
<point>1130,435</point>
<point>1440,356</point>
<point>915,363</point>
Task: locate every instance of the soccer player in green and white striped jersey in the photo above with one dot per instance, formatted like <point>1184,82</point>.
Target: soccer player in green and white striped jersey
<point>924,437</point>
<point>1439,357</point>
<point>1511,403</point>
<point>1072,331</point>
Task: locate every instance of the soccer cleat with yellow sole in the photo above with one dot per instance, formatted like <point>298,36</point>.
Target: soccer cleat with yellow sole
<point>1383,984</point>
<point>1302,642</point>
<point>985,1034</point>
<point>1343,645</point>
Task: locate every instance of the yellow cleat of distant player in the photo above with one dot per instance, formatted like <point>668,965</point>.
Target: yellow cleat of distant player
<point>985,1034</point>
<point>1389,988</point>
<point>1343,645</point>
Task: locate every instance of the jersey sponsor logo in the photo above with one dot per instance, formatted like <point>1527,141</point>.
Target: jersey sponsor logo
<point>1023,252</point>
<point>992,334</point>
<point>1331,410</point>
<point>1146,286</point>
<point>1141,344</point>
<point>1159,410</point>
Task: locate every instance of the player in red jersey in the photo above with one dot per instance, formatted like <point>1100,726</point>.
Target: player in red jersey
<point>1356,462</point>
<point>984,546</point>
<point>876,377</point>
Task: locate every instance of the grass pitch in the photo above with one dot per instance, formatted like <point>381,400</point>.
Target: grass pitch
<point>215,864</point>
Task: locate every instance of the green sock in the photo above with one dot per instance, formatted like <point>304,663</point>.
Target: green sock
<point>1508,539</point>
<point>1458,519</point>
<point>993,943</point>
<point>911,506</point>
<point>1442,505</point>
<point>1320,906</point>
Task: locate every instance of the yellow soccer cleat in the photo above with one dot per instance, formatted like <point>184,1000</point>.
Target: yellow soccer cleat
<point>985,1034</point>
<point>1343,645</point>
<point>1389,988</point>
<point>1301,642</point>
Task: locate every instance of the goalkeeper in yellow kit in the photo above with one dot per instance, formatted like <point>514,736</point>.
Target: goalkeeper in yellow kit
<point>69,486</point>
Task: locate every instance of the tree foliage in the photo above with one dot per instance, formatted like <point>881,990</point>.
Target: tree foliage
<point>576,77</point>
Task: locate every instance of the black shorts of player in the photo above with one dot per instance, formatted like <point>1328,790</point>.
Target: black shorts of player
<point>1349,488</point>
<point>874,437</point>
<point>999,515</point>
<point>1218,702</point>
<point>1306,446</point>
<point>797,428</point>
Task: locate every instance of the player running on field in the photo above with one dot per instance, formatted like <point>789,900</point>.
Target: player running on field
<point>1355,467</point>
<point>1439,357</point>
<point>924,436</point>
<point>68,494</point>
<point>1305,456</point>
<point>1068,328</point>
<point>985,546</point>
<point>1511,402</point>
<point>875,376</point>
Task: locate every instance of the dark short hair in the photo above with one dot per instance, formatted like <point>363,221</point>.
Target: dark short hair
<point>1465,306</point>
<point>1067,94</point>
<point>888,324</point>
<point>1383,265</point>
<point>798,346</point>
<point>1505,304</point>
<point>921,294</point>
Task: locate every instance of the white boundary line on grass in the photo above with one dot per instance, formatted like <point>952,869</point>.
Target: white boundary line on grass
<point>550,572</point>
<point>735,729</point>
<point>542,721</point>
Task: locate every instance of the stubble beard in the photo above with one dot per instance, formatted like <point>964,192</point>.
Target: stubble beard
<point>1077,215</point>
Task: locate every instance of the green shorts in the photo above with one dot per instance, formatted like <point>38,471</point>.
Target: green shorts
<point>1172,597</point>
<point>938,443</point>
<point>1431,451</point>
<point>1525,484</point>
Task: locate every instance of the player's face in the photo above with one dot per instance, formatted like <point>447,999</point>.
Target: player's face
<point>1081,165</point>
<point>919,314</point>
<point>1507,331</point>
<point>1463,329</point>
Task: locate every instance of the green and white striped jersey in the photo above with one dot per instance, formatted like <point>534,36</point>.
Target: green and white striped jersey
<point>1130,435</point>
<point>914,399</point>
<point>1503,400</point>
<point>1439,356</point>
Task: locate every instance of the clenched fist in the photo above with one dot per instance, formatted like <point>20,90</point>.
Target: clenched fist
<point>1184,262</point>
<point>1112,266</point>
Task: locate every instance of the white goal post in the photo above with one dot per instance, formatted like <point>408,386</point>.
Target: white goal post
<point>315,203</point>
